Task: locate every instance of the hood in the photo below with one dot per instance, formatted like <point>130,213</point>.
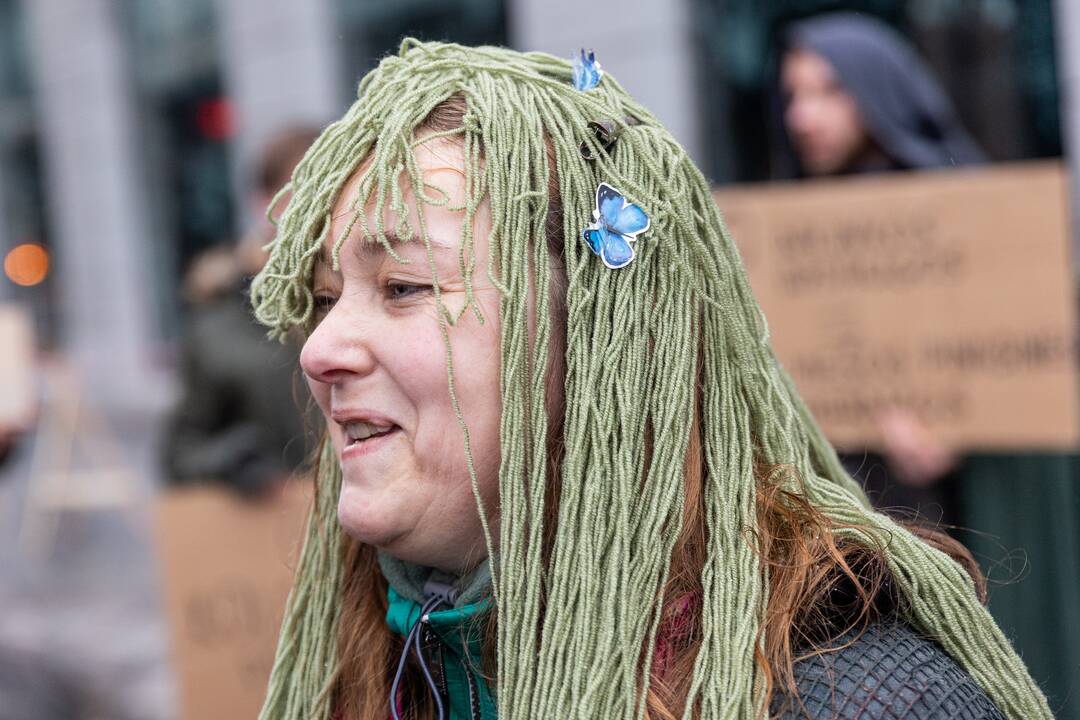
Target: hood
<point>905,110</point>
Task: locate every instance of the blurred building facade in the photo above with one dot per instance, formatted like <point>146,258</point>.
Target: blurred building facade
<point>127,129</point>
<point>127,132</point>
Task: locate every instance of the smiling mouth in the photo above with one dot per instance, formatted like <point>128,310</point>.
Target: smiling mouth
<point>361,433</point>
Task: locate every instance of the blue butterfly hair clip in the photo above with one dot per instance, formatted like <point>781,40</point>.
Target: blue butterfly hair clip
<point>587,71</point>
<point>616,223</point>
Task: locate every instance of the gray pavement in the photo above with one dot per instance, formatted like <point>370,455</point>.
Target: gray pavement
<point>81,631</point>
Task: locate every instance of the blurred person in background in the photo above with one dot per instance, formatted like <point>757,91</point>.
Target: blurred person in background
<point>237,422</point>
<point>855,99</point>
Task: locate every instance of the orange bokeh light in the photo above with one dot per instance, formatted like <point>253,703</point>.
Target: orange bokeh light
<point>26,264</point>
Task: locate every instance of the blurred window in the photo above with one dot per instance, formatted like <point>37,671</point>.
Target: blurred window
<point>184,121</point>
<point>371,30</point>
<point>22,197</point>
<point>14,73</point>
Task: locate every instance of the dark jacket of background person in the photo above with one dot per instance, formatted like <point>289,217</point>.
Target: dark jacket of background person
<point>1023,509</point>
<point>239,421</point>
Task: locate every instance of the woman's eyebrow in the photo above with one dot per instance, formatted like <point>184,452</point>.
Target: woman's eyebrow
<point>362,250</point>
<point>366,249</point>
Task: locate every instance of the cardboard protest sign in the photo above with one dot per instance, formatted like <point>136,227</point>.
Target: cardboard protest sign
<point>947,293</point>
<point>16,366</point>
<point>227,568</point>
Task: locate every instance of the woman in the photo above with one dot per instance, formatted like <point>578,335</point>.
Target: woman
<point>568,475</point>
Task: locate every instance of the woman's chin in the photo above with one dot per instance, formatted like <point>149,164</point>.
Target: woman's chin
<point>365,524</point>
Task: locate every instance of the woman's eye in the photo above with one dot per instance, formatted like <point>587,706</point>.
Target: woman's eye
<point>401,291</point>
<point>323,304</point>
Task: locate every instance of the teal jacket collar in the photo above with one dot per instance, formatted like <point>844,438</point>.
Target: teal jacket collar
<point>454,653</point>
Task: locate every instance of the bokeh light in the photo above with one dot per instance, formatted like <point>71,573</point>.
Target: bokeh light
<point>27,264</point>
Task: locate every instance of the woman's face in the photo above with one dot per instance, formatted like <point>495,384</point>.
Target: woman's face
<point>377,366</point>
<point>821,118</point>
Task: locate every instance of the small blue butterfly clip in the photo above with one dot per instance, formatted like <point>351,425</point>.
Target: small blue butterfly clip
<point>587,71</point>
<point>616,223</point>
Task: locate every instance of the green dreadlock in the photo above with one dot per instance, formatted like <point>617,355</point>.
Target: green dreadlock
<point>633,339</point>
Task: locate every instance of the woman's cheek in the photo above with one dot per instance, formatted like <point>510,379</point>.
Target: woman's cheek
<point>320,392</point>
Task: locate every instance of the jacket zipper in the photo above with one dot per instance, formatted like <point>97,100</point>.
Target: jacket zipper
<point>432,647</point>
<point>441,659</point>
<point>474,700</point>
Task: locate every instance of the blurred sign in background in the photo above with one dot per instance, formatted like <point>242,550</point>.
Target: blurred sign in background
<point>228,567</point>
<point>950,294</point>
<point>131,133</point>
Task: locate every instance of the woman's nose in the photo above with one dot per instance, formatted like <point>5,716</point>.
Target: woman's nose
<point>336,350</point>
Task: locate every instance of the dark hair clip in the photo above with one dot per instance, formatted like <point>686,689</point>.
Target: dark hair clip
<point>607,132</point>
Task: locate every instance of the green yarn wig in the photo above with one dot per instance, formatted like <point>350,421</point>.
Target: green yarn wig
<point>634,340</point>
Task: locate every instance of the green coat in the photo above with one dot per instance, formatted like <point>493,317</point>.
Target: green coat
<point>454,653</point>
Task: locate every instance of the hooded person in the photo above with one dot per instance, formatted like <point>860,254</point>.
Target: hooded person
<point>563,473</point>
<point>855,98</point>
<point>857,80</point>
<point>901,119</point>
